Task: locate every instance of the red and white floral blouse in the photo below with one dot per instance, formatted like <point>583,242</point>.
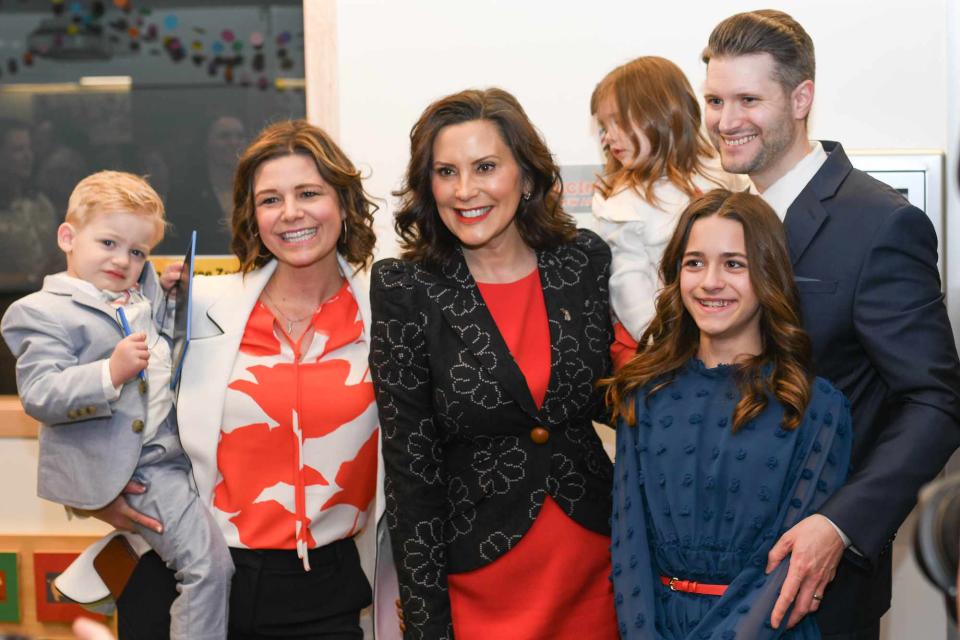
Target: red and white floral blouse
<point>297,457</point>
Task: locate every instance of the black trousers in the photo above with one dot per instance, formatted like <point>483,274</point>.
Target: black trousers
<point>271,596</point>
<point>870,633</point>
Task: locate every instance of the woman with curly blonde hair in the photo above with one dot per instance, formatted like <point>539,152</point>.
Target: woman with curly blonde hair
<point>724,439</point>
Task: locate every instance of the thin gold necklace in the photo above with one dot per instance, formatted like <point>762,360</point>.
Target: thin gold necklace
<point>290,322</point>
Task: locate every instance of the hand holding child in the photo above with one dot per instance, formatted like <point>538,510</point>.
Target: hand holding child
<point>171,275</point>
<point>120,515</point>
<point>129,358</point>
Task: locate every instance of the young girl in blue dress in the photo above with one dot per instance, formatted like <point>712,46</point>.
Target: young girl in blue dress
<point>724,438</point>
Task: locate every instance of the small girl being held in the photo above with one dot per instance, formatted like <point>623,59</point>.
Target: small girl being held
<point>657,161</point>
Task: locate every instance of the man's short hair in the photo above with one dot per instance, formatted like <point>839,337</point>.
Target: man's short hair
<point>766,31</point>
<point>115,192</point>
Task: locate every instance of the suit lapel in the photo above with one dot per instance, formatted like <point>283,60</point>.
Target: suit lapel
<point>149,288</point>
<point>456,292</point>
<point>206,372</point>
<point>807,213</point>
<point>804,218</point>
<point>93,303</point>
<point>565,304</point>
<point>52,284</point>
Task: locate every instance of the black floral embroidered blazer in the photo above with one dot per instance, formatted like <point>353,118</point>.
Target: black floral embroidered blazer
<point>464,477</point>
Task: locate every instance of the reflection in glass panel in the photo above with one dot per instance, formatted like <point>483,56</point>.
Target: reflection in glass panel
<point>169,89</point>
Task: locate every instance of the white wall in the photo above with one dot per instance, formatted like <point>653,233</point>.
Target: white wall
<point>21,511</point>
<point>882,82</point>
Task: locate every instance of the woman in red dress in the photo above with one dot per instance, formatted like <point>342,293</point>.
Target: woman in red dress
<point>487,339</point>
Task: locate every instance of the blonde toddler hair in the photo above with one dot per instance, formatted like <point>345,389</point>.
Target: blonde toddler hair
<point>115,192</point>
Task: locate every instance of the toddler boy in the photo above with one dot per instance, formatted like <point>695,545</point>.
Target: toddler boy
<point>103,422</point>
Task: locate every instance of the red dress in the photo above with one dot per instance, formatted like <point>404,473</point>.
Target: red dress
<point>624,347</point>
<point>554,583</point>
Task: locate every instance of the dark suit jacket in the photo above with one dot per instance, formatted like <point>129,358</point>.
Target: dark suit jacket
<point>464,478</point>
<point>866,266</point>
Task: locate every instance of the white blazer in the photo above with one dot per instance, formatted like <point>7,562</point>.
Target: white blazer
<point>221,308</point>
<point>638,232</point>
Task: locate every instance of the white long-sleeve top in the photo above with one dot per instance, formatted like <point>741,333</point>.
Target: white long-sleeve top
<point>638,232</point>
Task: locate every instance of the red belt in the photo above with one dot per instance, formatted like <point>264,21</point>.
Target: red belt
<point>689,586</point>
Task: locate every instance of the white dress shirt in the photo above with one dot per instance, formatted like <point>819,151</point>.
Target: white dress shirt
<point>781,194</point>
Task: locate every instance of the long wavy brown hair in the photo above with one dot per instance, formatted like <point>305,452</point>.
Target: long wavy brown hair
<point>300,137</point>
<point>653,96</point>
<point>540,219</point>
<point>781,369</point>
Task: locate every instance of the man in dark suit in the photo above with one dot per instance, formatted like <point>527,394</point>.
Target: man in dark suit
<point>866,268</point>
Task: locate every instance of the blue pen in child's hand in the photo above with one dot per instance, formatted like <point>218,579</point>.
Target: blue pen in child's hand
<point>122,318</point>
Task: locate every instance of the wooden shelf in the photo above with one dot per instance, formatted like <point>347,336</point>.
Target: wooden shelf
<point>14,423</point>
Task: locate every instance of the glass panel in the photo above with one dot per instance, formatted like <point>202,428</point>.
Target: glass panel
<point>172,90</point>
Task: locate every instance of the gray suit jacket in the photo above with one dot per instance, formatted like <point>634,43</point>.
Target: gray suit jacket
<point>89,447</point>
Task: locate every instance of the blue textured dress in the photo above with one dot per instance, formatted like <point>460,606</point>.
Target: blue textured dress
<point>694,500</point>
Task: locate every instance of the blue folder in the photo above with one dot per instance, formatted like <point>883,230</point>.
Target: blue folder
<point>181,318</point>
